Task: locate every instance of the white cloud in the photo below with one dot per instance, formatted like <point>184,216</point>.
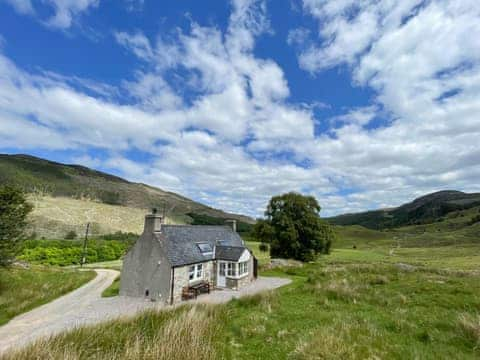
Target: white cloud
<point>195,145</point>
<point>359,116</point>
<point>137,43</point>
<point>65,11</point>
<point>218,123</point>
<point>21,6</point>
<point>423,61</point>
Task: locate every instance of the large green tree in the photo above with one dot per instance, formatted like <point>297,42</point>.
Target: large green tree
<point>14,209</point>
<point>293,227</point>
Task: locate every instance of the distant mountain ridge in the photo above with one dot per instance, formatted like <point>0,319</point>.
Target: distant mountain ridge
<point>423,210</point>
<point>40,176</point>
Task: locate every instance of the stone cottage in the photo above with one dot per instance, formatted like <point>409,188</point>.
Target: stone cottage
<point>168,261</point>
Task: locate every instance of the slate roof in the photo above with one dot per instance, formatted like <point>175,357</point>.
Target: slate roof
<point>180,242</point>
<point>230,253</point>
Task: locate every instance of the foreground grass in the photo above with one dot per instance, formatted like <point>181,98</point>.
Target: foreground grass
<point>185,333</point>
<point>23,289</point>
<point>337,308</point>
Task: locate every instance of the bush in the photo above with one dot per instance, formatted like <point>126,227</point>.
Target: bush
<point>71,235</point>
<point>263,247</point>
<point>474,220</point>
<point>121,236</point>
<point>14,209</point>
<point>70,252</point>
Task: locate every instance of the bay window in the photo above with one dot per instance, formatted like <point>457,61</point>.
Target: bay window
<point>234,269</point>
<point>242,268</point>
<point>231,269</point>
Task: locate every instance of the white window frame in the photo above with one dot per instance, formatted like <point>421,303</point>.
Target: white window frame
<point>223,268</point>
<point>242,268</point>
<point>236,270</point>
<point>231,269</point>
<point>195,272</point>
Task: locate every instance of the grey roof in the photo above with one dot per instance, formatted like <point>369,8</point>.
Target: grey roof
<point>180,241</point>
<point>230,253</point>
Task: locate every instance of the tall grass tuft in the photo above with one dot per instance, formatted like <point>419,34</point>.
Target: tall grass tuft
<point>470,327</point>
<point>184,334</point>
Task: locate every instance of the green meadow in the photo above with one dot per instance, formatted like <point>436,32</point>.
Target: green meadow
<point>383,302</point>
<point>23,289</point>
<point>405,293</point>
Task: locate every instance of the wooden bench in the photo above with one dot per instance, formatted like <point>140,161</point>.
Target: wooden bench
<point>192,291</point>
<point>201,288</point>
<point>188,293</point>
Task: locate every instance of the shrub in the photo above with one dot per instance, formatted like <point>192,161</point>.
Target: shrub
<point>474,220</point>
<point>263,247</point>
<point>121,236</point>
<point>378,280</point>
<point>71,235</point>
<point>14,209</point>
<point>70,252</point>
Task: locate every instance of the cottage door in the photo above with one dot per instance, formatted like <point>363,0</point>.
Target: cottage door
<point>221,281</point>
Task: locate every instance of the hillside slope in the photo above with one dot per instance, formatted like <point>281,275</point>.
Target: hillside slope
<point>423,210</point>
<point>45,177</point>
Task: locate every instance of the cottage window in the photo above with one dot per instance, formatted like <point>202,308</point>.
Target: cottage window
<point>232,269</point>
<point>191,273</point>
<point>222,269</point>
<point>195,272</point>
<point>242,268</point>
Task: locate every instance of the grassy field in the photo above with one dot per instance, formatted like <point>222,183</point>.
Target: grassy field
<point>361,303</point>
<point>23,289</point>
<point>348,305</point>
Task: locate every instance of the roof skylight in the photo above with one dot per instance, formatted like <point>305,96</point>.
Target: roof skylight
<point>205,248</point>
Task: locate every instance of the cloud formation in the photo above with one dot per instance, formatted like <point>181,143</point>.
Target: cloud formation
<point>64,11</point>
<point>218,123</point>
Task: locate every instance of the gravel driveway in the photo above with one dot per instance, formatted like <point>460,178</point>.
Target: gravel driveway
<point>85,306</point>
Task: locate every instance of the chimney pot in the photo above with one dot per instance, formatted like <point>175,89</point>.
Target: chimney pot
<point>232,223</point>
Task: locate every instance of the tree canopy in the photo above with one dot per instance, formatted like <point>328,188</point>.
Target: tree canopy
<point>293,227</point>
<point>14,209</point>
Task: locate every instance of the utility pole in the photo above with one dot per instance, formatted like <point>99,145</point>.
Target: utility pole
<point>85,246</point>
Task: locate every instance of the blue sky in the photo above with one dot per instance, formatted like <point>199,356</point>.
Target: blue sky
<point>363,104</point>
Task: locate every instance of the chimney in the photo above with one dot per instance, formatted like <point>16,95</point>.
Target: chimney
<point>153,222</point>
<point>232,223</point>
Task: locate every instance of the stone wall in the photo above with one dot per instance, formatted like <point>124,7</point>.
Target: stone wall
<point>145,268</point>
<point>181,278</point>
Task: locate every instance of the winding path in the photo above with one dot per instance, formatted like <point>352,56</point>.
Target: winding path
<point>85,306</point>
<point>66,312</point>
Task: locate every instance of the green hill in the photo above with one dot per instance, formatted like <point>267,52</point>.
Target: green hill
<point>427,209</point>
<point>66,196</point>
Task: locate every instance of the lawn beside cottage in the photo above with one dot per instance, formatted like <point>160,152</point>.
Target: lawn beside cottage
<point>22,289</point>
